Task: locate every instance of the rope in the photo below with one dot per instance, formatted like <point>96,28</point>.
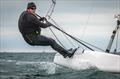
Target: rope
<point>56,37</point>
<point>69,41</point>
<point>51,9</point>
<point>72,37</point>
<point>88,19</point>
<point>48,14</point>
<point>77,38</point>
<point>48,10</point>
<point>92,45</point>
<point>63,33</point>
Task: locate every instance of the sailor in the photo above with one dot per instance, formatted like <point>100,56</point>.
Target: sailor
<point>30,27</point>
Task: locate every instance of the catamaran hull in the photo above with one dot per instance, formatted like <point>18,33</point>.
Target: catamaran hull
<point>100,60</point>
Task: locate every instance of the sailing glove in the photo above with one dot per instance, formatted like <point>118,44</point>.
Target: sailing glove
<point>49,24</point>
<point>43,19</point>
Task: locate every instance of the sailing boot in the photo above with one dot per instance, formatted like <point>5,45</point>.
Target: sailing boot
<point>71,53</point>
<point>66,54</point>
<point>70,49</point>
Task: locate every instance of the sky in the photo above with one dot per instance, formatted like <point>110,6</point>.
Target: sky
<point>89,20</point>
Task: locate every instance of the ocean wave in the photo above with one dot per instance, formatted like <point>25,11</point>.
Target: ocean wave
<point>48,70</point>
<point>43,68</point>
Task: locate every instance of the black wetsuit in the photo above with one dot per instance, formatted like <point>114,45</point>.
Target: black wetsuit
<point>30,28</point>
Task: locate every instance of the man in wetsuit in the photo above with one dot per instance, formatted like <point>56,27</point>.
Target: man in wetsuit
<point>30,27</point>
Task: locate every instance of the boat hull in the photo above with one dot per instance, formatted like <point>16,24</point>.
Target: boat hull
<point>87,59</point>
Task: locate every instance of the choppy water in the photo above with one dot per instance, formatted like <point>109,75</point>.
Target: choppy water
<point>41,66</point>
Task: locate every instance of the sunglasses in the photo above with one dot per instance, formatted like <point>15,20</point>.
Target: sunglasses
<point>33,8</point>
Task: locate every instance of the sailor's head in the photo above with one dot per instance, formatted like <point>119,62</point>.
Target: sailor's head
<point>31,7</point>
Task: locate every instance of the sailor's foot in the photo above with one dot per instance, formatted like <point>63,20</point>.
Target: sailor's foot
<point>70,49</point>
<point>72,53</point>
<point>65,55</point>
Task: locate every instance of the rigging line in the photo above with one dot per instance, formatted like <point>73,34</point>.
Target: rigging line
<point>69,35</point>
<point>88,19</point>
<point>57,38</point>
<point>49,13</point>
<point>91,45</point>
<point>51,9</point>
<point>72,37</point>
<point>53,33</point>
<point>63,33</point>
<point>70,41</point>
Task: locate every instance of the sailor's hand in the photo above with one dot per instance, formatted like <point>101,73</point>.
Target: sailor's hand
<point>43,19</point>
<point>49,24</point>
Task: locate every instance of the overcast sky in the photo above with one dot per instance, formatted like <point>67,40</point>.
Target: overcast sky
<point>89,20</point>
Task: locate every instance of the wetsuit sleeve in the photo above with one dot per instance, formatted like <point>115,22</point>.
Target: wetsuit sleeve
<point>36,21</point>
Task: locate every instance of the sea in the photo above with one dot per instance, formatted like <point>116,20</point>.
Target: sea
<point>41,66</point>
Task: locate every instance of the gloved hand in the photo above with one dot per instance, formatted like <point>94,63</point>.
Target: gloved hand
<point>43,19</point>
<point>49,24</point>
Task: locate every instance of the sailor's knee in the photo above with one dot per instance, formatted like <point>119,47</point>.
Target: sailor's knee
<point>51,41</point>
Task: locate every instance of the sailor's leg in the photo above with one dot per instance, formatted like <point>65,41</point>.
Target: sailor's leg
<point>45,41</point>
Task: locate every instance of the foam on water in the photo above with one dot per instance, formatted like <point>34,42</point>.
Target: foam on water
<point>46,67</point>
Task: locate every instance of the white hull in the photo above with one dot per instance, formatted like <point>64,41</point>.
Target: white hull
<point>101,60</point>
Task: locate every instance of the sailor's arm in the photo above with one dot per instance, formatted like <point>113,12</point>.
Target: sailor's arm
<point>37,23</point>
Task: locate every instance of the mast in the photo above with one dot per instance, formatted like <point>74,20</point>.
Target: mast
<point>114,33</point>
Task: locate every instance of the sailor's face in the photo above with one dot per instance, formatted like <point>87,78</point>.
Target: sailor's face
<point>32,10</point>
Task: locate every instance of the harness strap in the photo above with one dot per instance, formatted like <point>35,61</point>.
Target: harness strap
<point>31,35</point>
